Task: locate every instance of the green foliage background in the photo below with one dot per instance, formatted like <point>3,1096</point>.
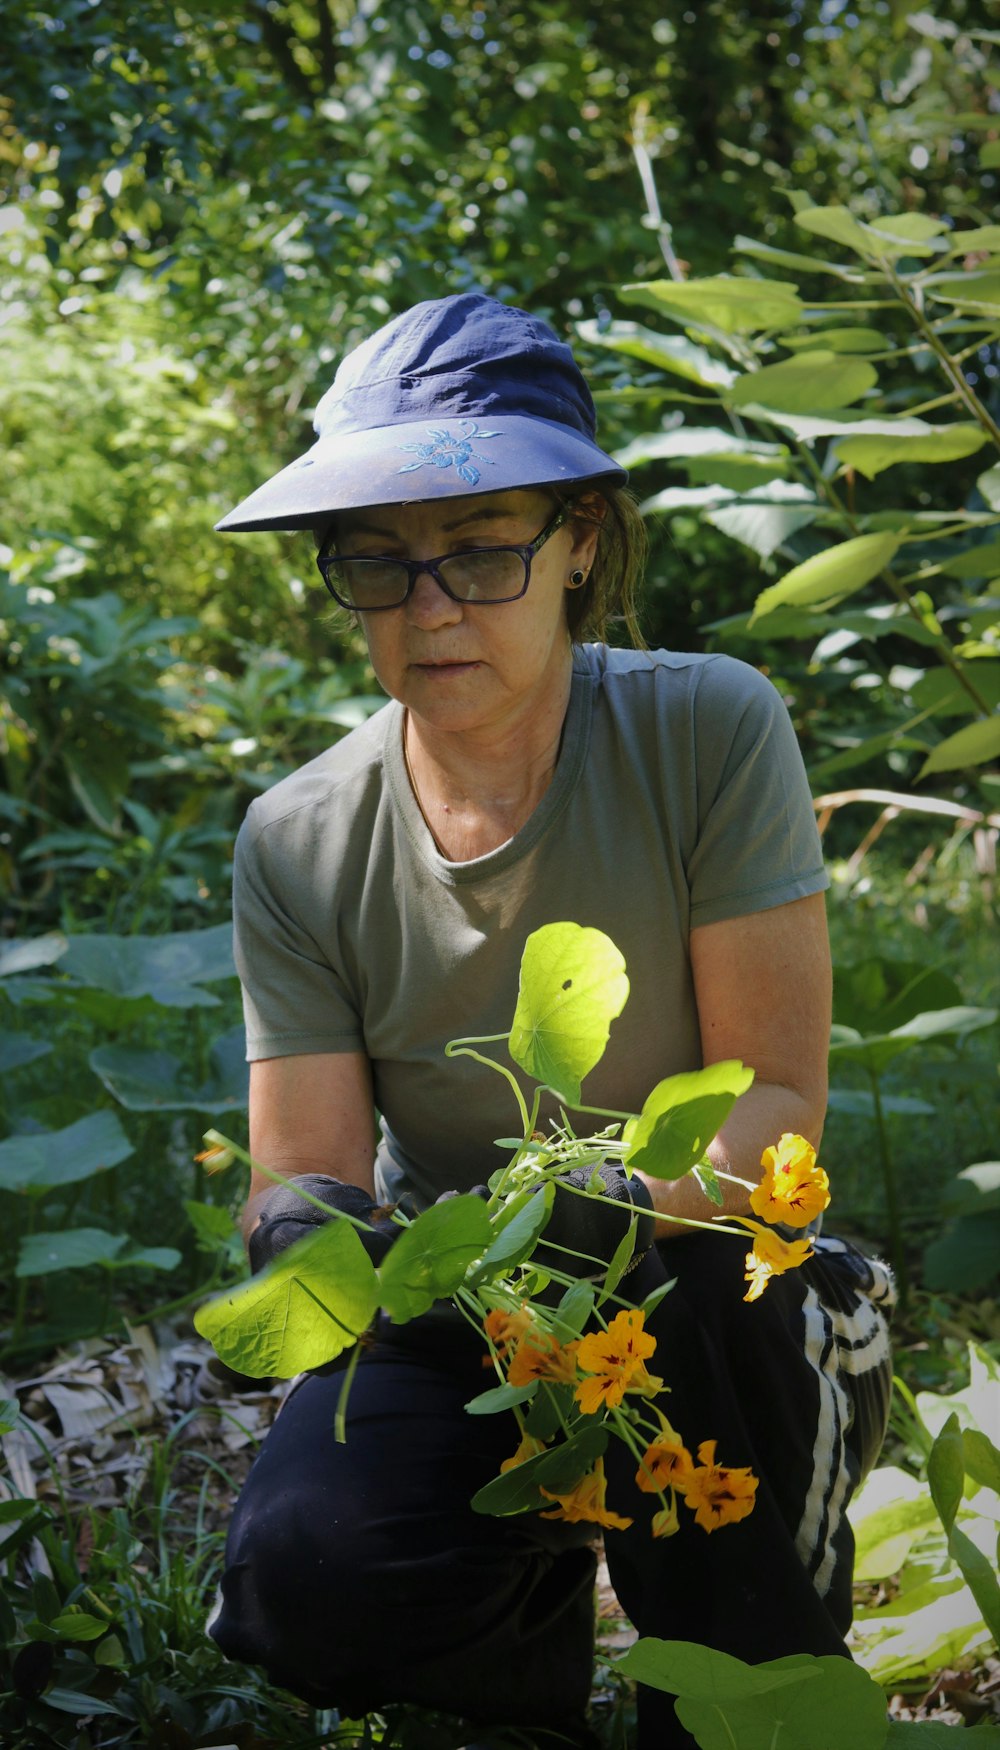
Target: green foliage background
<point>203,209</point>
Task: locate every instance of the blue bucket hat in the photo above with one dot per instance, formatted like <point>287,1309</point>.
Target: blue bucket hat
<point>460,394</point>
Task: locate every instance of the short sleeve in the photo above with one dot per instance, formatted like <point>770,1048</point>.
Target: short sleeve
<point>294,999</point>
<point>758,845</point>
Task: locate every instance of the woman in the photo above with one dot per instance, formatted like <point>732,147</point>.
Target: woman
<point>383,894</point>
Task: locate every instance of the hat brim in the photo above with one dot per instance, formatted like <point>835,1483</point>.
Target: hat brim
<point>400,464</point>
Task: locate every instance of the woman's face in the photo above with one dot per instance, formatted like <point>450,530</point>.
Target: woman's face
<point>465,667</point>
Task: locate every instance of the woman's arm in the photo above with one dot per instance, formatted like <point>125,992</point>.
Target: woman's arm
<point>312,1114</point>
<point>763,988</point>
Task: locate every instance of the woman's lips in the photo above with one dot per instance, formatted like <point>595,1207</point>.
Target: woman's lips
<point>446,667</point>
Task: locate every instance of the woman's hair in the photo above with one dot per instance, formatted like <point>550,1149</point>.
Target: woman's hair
<point>609,596</point>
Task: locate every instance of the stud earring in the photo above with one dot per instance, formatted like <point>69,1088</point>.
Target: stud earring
<point>577,579</point>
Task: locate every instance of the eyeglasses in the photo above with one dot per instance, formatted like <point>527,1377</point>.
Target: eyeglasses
<point>484,575</point>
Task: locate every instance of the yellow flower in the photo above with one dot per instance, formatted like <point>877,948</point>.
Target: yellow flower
<point>664,1465</point>
<point>586,1502</point>
<point>794,1190</point>
<point>539,1356</point>
<point>616,1359</point>
<point>529,1448</point>
<point>666,1521</point>
<point>505,1328</point>
<point>771,1256</point>
<point>717,1494</point>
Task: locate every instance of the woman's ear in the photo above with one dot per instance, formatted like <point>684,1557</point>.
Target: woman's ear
<point>588,514</point>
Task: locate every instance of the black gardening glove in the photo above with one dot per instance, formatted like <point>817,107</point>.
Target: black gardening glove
<point>595,1226</point>
<point>285,1217</point>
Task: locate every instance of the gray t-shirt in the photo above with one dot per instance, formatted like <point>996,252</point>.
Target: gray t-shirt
<point>679,799</point>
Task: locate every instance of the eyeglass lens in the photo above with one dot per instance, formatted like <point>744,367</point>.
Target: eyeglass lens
<point>490,575</point>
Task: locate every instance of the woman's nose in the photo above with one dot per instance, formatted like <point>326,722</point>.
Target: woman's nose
<point>429,605</point>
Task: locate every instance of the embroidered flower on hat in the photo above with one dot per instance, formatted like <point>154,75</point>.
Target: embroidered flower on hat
<point>448,451</point>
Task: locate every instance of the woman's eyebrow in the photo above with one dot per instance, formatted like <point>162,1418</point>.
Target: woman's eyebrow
<point>492,513</point>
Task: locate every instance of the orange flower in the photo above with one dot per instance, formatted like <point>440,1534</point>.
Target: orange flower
<point>794,1190</point>
<point>539,1356</point>
<point>616,1358</point>
<point>771,1256</point>
<point>529,1448</point>
<point>717,1494</point>
<point>665,1465</point>
<point>586,1502</point>
<point>215,1159</point>
<point>505,1328</point>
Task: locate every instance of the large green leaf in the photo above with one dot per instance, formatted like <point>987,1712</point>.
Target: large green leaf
<point>25,956</point>
<point>889,1515</point>
<point>172,968</point>
<point>805,385</point>
<point>797,1717</point>
<point>149,1081</point>
<point>705,1674</point>
<point>687,441</point>
<point>431,1257</point>
<point>765,527</point>
<point>668,352</point>
<point>837,340</point>
<point>16,1050</point>
<point>303,1310</point>
<point>39,1162</point>
<point>828,577</point>
<point>976,291</point>
<point>81,1248</point>
<point>881,992</point>
<point>974,745</point>
<point>737,306</point>
<point>572,986</point>
<point>682,1115</point>
<point>947,443</point>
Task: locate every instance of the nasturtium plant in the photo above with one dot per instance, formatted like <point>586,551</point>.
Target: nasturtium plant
<point>567,1345</point>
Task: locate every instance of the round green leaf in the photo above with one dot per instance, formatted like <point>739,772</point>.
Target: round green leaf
<point>431,1257</point>
<point>828,577</point>
<point>688,1668</point>
<point>572,986</point>
<point>948,443</point>
<point>49,1158</point>
<point>682,1115</point>
<point>805,385</point>
<point>303,1310</point>
<point>42,1254</point>
<point>798,1716</point>
<point>737,306</point>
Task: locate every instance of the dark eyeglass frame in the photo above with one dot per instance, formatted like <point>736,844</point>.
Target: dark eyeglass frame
<point>414,567</point>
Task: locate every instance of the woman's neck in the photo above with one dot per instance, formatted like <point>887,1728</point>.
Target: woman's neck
<point>476,792</point>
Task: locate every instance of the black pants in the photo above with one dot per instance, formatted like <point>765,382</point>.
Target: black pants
<point>358,1575</point>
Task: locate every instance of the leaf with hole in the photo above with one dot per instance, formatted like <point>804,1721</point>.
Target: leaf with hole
<point>572,986</point>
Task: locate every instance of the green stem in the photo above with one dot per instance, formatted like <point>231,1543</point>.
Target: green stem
<point>942,645</point>
<point>891,1193</point>
<point>216,1137</point>
<point>457,1049</point>
<point>340,1419</point>
<point>950,368</point>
